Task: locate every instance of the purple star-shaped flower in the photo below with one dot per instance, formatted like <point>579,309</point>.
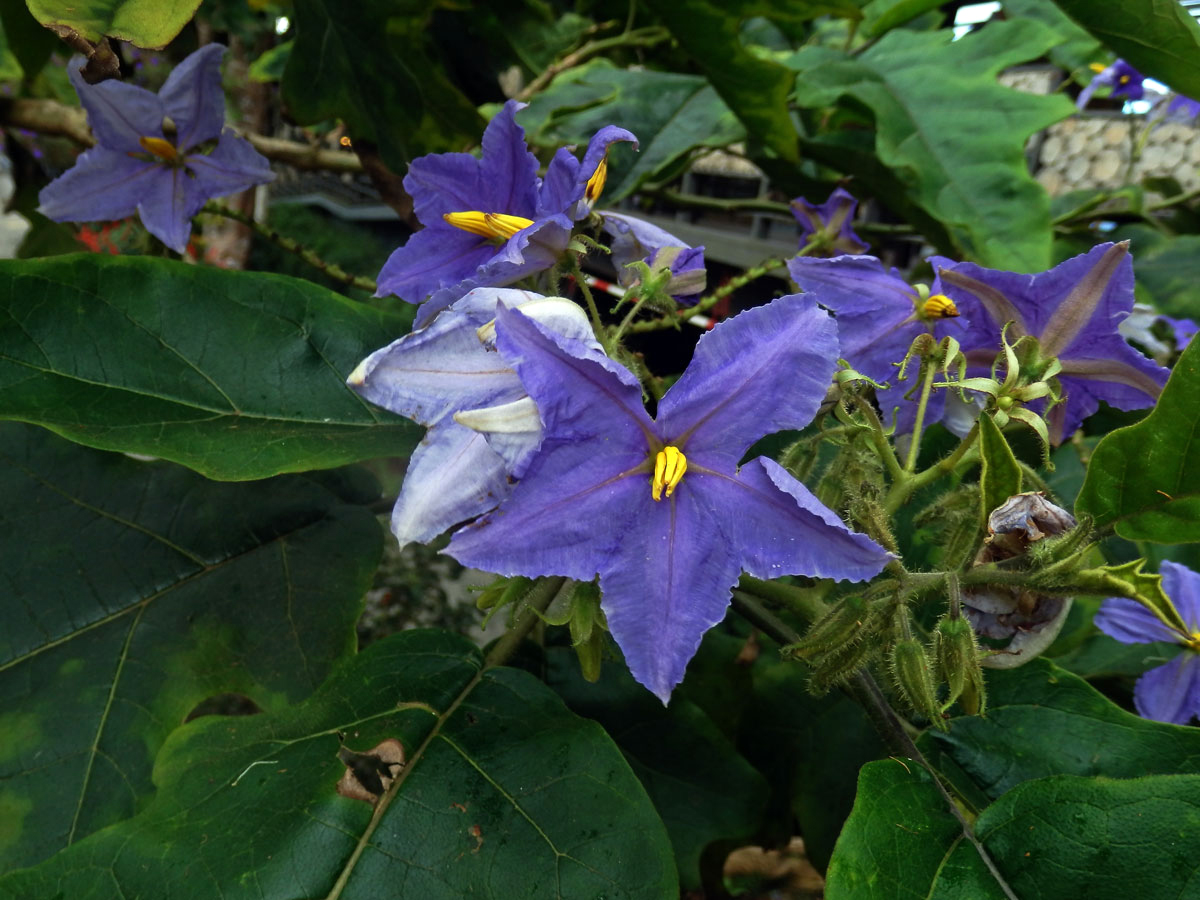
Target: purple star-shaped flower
<point>1182,109</point>
<point>135,167</point>
<point>636,240</point>
<point>1073,310</point>
<point>1124,79</point>
<point>489,220</point>
<point>659,508</point>
<point>482,425</point>
<point>830,222</point>
<point>1171,692</point>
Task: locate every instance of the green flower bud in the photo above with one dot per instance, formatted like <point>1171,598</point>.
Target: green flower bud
<point>914,679</point>
<point>958,662</point>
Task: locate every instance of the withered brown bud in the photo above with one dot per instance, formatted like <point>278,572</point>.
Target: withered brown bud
<point>1027,620</point>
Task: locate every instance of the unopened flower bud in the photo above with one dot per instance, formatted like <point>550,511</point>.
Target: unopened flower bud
<point>958,660</point>
<point>913,676</point>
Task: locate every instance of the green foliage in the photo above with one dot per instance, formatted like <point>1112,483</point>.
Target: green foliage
<point>1156,37</point>
<point>386,87</point>
<point>1000,477</point>
<point>952,137</point>
<point>1076,48</point>
<point>674,113</point>
<point>1142,478</point>
<point>25,39</point>
<point>504,792</point>
<point>144,23</point>
<point>137,590</point>
<point>234,374</point>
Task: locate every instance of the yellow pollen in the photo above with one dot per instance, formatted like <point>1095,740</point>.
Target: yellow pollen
<point>1193,641</point>
<point>595,185</point>
<point>939,306</point>
<point>488,225</point>
<point>669,466</point>
<point>160,148</point>
<point>1124,79</point>
<point>1096,67</point>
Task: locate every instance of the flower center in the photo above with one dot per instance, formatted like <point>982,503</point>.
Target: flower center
<point>1193,641</point>
<point>163,149</point>
<point>595,184</point>
<point>488,225</point>
<point>669,466</point>
<point>939,306</point>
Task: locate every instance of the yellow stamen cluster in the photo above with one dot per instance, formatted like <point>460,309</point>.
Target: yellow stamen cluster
<point>488,225</point>
<point>1097,67</point>
<point>669,466</point>
<point>939,306</point>
<point>1193,641</point>
<point>595,185</point>
<point>163,149</point>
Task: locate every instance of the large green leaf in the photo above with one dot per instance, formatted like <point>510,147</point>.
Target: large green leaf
<point>902,842</point>
<point>134,590</point>
<point>756,89</point>
<point>1000,477</point>
<point>951,134</point>
<point>1157,37</point>
<point>25,38</point>
<point>670,113</point>
<point>1043,720</point>
<point>703,789</point>
<point>1056,837</point>
<point>367,63</point>
<point>234,374</point>
<point>145,23</point>
<point>505,794</point>
<point>1075,49</point>
<point>1143,478</point>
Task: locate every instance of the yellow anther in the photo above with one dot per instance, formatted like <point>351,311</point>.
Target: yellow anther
<point>1193,641</point>
<point>939,306</point>
<point>162,149</point>
<point>669,466</point>
<point>1097,67</point>
<point>595,185</point>
<point>1124,79</point>
<point>488,225</point>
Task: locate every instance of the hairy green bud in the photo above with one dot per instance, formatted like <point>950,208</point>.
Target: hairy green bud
<point>913,676</point>
<point>957,658</point>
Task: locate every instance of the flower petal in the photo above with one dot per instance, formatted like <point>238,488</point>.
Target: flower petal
<point>193,98</point>
<point>1131,623</point>
<point>453,476</point>
<point>1182,585</point>
<point>433,257</point>
<point>513,430</point>
<point>102,185</point>
<point>508,171</point>
<point>728,398</point>
<point>167,205</point>
<point>119,114</point>
<point>234,165</point>
<point>1170,693</point>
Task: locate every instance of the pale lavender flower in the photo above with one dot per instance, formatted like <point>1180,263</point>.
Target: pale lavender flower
<point>636,240</point>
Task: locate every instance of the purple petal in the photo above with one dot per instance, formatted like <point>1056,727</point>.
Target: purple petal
<point>1182,109</point>
<point>834,215</point>
<point>119,114</point>
<point>1170,693</point>
<point>102,185</point>
<point>560,189</point>
<point>167,205</point>
<point>234,165</point>
<point>508,171</point>
<point>765,370</point>
<point>443,183</point>
<point>432,373</point>
<point>1100,296</point>
<point>1182,585</point>
<point>434,256</point>
<point>1183,330</point>
<point>453,476</point>
<point>1131,623</point>
<point>193,98</point>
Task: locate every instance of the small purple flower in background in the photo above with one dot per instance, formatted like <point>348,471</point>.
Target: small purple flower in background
<point>1171,692</point>
<point>482,425</point>
<point>1182,109</point>
<point>1073,311</point>
<point>489,220</point>
<point>635,240</point>
<point>829,223</point>
<point>1124,79</point>
<point>134,167</point>
<point>659,509</point>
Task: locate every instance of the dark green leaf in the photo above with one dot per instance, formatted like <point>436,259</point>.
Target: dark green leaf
<point>367,63</point>
<point>1076,48</point>
<point>902,842</point>
<point>134,590</point>
<point>1143,478</point>
<point>952,136</point>
<point>1098,838</point>
<point>703,789</point>
<point>144,23</point>
<point>1156,37</point>
<point>671,114</point>
<point>234,374</point>
<point>1001,476</point>
<point>1166,271</point>
<point>27,40</point>
<point>505,794</point>
<point>270,65</point>
<point>1042,720</point>
<point>881,16</point>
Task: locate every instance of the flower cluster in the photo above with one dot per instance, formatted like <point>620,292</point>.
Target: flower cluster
<point>139,166</point>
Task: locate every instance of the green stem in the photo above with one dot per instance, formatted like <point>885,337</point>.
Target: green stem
<point>882,444</point>
<point>901,491</point>
<point>641,37</point>
<point>537,601</point>
<point>615,337</point>
<point>928,371</point>
<point>805,602</point>
<point>330,269</point>
<point>577,273</point>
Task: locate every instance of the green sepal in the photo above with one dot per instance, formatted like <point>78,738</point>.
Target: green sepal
<point>1000,477</point>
